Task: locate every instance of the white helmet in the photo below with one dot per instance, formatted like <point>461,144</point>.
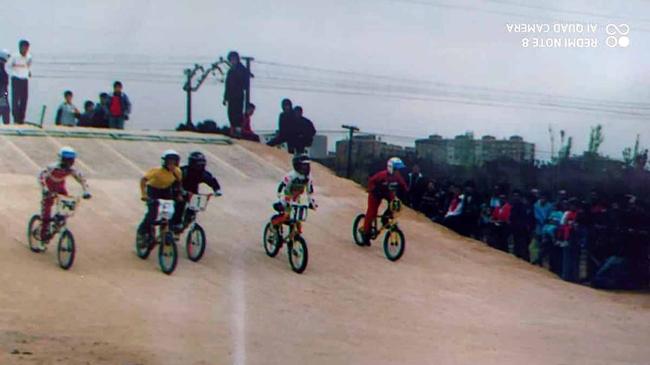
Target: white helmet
<point>4,55</point>
<point>394,163</point>
<point>67,153</point>
<point>170,154</point>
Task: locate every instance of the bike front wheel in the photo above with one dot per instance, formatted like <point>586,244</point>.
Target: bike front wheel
<point>167,253</point>
<point>142,245</point>
<point>195,243</point>
<point>394,244</point>
<point>65,250</point>
<point>298,255</point>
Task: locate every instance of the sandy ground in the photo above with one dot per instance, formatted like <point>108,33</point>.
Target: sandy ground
<point>449,300</point>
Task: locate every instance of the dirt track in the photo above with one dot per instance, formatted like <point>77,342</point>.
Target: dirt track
<point>448,301</point>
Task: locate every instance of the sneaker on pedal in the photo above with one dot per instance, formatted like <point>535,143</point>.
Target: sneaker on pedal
<point>366,239</point>
<point>40,246</point>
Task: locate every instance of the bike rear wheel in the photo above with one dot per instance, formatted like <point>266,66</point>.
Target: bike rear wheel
<point>271,240</point>
<point>357,228</point>
<point>195,243</point>
<point>167,253</point>
<point>394,244</point>
<point>298,255</point>
<point>34,233</point>
<point>65,251</point>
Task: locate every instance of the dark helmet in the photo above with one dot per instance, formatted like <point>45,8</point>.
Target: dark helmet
<point>301,164</point>
<point>196,160</point>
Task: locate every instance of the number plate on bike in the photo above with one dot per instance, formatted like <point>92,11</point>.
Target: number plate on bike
<point>66,207</point>
<point>198,203</point>
<point>165,209</point>
<point>299,212</point>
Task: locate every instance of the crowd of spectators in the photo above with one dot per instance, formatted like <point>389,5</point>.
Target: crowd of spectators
<point>589,238</point>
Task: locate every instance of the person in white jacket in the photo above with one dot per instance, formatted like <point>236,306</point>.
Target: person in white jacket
<point>20,67</point>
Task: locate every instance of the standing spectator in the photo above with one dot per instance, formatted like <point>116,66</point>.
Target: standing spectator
<point>247,130</point>
<point>20,73</point>
<point>305,129</point>
<point>568,241</point>
<point>501,224</point>
<point>101,113</point>
<point>520,225</point>
<point>494,199</point>
<point>541,211</point>
<point>67,113</point>
<point>237,85</point>
<point>549,247</point>
<point>119,107</point>
<point>4,87</point>
<point>471,211</point>
<point>416,183</point>
<point>86,119</point>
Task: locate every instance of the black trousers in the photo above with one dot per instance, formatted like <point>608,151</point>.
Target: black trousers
<point>521,238</point>
<point>179,209</point>
<point>499,236</point>
<point>19,94</point>
<point>236,112</point>
<point>4,107</point>
<point>152,207</point>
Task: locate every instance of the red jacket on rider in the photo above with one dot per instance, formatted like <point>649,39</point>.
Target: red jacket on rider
<point>378,184</point>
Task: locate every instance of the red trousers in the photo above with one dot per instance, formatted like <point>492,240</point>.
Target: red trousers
<point>47,201</point>
<point>371,213</point>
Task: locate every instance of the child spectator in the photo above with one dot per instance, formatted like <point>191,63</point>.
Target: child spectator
<point>100,116</point>
<point>68,113</point>
<point>86,118</point>
<point>119,107</point>
<point>246,130</point>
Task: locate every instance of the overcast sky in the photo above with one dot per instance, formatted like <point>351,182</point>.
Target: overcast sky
<point>412,67</point>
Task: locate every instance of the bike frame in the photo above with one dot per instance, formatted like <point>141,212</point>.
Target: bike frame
<point>160,226</point>
<point>201,207</point>
<point>390,225</point>
<point>66,205</point>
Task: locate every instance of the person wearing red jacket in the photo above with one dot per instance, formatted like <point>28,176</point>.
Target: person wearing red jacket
<point>501,224</point>
<point>379,188</point>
